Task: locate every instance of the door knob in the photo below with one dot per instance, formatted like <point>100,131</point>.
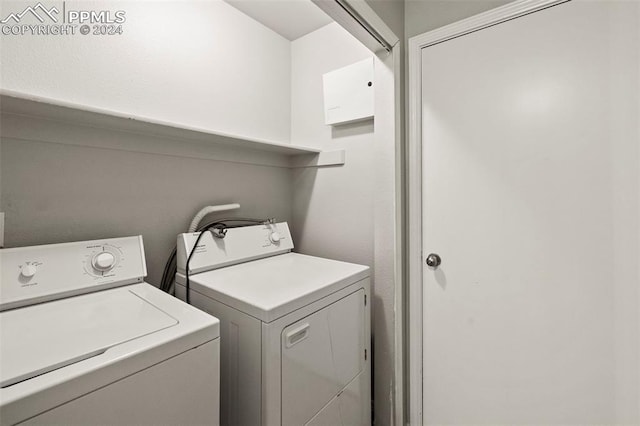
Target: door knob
<point>433,260</point>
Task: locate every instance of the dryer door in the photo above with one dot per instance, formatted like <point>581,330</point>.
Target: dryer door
<point>321,354</point>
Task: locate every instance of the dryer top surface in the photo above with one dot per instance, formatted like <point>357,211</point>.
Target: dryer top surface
<point>272,287</point>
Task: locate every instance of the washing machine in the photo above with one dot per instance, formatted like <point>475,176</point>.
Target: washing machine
<point>295,345</point>
<point>83,340</point>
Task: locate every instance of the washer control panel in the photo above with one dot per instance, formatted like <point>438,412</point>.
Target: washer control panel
<point>41,273</point>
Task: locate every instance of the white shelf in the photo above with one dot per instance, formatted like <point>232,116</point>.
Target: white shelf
<point>20,110</point>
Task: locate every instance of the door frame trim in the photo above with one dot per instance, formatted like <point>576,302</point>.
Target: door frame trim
<point>413,160</point>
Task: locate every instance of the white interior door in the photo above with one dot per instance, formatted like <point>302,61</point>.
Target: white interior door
<point>530,197</point>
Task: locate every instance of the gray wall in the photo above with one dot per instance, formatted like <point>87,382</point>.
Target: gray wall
<point>56,193</point>
<point>425,15</point>
<point>391,12</point>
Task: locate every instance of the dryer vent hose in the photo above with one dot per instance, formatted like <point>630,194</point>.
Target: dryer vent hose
<point>210,209</point>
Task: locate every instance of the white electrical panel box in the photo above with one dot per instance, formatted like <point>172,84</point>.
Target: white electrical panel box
<point>348,93</point>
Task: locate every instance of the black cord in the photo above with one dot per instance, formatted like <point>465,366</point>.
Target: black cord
<point>168,276</point>
<point>170,266</point>
<point>193,250</point>
<point>222,226</point>
<point>170,269</point>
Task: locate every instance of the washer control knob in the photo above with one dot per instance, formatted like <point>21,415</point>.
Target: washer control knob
<point>275,237</point>
<point>103,261</point>
<point>28,270</point>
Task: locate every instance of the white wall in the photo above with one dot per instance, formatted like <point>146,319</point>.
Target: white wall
<point>199,63</point>
<point>347,212</point>
<point>333,207</point>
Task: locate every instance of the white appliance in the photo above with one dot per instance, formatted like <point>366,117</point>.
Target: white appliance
<point>295,345</point>
<point>83,340</point>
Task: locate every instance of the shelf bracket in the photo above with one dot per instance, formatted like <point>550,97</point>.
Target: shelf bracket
<point>321,159</point>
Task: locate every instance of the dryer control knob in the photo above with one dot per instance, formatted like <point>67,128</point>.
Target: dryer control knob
<point>103,261</point>
<point>28,270</point>
<point>275,237</point>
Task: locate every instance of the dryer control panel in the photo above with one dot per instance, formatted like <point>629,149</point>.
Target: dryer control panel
<point>38,274</point>
<point>239,245</point>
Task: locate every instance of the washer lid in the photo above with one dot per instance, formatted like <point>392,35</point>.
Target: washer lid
<point>270,288</point>
<point>41,338</point>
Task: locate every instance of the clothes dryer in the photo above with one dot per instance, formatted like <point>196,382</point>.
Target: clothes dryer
<point>295,345</point>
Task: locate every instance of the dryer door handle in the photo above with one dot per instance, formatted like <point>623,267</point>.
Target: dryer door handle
<point>296,335</point>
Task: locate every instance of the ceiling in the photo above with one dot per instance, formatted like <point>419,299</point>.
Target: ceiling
<point>290,18</point>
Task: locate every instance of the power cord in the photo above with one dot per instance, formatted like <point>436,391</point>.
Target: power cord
<point>221,232</point>
<point>167,283</point>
